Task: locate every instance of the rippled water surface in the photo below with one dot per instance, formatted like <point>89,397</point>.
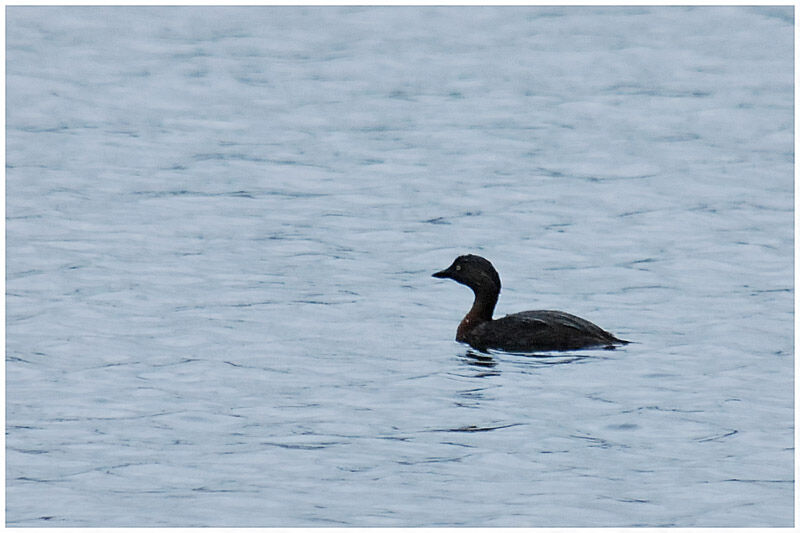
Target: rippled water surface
<point>221,226</point>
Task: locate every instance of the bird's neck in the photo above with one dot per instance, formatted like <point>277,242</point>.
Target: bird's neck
<point>481,311</point>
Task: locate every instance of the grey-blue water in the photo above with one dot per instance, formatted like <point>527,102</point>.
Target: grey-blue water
<point>221,230</point>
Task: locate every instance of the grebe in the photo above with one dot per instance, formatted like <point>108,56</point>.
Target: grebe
<point>529,331</point>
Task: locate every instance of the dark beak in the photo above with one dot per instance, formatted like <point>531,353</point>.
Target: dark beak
<point>443,274</point>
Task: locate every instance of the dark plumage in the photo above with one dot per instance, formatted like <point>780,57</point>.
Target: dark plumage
<point>529,331</point>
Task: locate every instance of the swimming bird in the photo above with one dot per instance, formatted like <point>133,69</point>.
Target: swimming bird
<point>528,331</point>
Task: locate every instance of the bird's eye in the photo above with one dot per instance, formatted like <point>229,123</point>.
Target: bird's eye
<point>458,267</point>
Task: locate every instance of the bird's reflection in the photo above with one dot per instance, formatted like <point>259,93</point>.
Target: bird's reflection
<point>547,359</point>
<point>486,363</point>
<point>482,362</point>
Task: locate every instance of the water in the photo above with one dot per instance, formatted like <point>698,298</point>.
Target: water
<point>221,226</point>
